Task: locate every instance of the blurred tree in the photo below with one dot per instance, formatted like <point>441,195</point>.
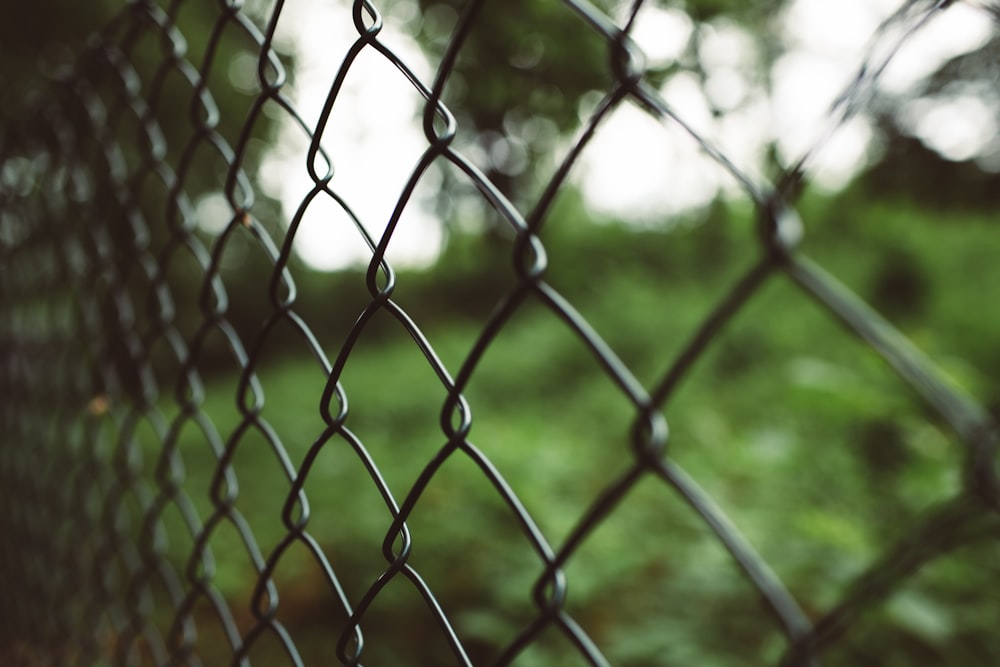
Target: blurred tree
<point>910,166</point>
<point>521,61</point>
<point>153,86</point>
<point>527,66</point>
<point>38,38</point>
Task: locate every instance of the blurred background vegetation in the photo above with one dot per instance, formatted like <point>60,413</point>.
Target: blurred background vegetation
<point>818,452</point>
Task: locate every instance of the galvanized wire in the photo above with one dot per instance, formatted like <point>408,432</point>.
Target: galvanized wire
<point>94,350</point>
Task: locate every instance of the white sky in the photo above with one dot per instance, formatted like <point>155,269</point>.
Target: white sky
<point>638,168</point>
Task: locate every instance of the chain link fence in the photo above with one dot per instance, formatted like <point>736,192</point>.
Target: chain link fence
<point>159,509</point>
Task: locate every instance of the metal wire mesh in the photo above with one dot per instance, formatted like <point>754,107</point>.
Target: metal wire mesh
<point>111,541</point>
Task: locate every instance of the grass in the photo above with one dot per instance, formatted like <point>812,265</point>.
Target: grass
<point>820,455</point>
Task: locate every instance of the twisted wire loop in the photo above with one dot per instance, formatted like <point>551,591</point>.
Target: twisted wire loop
<point>110,541</point>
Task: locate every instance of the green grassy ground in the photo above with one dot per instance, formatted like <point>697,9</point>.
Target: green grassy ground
<point>820,455</point>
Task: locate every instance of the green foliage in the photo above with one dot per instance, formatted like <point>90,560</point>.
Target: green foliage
<point>38,38</point>
<point>821,456</point>
<point>510,64</point>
